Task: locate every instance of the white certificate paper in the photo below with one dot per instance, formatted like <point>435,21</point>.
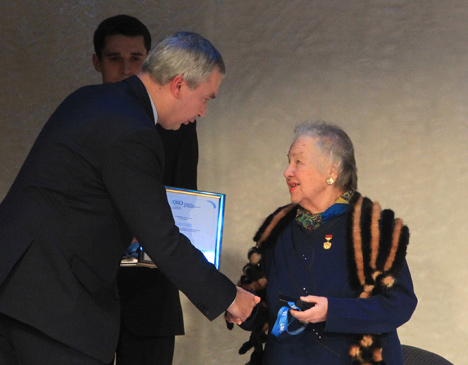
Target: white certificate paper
<point>199,215</point>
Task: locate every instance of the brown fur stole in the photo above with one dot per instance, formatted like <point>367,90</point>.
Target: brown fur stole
<point>377,244</point>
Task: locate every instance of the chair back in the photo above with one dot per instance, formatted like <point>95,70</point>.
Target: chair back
<point>416,356</point>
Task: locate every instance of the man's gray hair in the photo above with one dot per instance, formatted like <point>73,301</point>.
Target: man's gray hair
<point>333,142</point>
<point>183,53</point>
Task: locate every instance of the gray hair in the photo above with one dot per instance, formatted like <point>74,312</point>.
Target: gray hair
<point>183,53</point>
<point>333,142</point>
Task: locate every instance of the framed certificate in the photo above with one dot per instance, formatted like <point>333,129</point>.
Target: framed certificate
<point>199,215</point>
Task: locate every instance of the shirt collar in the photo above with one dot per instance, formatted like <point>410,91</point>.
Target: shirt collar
<point>155,112</point>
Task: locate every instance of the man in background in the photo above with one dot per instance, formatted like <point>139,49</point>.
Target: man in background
<point>151,310</point>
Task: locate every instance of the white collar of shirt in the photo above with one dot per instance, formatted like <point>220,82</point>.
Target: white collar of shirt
<point>155,112</point>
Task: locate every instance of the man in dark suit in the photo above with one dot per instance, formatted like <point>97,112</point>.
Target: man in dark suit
<point>151,312</point>
<point>91,181</point>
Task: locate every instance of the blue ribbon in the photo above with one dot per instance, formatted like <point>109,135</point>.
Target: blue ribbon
<point>282,324</point>
<point>133,250</point>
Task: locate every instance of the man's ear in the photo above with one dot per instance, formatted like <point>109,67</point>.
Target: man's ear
<point>96,63</point>
<point>176,85</point>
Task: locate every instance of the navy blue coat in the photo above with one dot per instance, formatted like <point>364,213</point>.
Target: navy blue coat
<point>296,263</point>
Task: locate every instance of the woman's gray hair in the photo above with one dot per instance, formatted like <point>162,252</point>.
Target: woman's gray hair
<point>183,53</point>
<point>333,142</point>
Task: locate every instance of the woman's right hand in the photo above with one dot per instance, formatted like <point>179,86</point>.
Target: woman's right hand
<point>318,313</point>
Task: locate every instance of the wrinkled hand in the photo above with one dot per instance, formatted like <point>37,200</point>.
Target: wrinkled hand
<point>242,307</point>
<point>317,313</point>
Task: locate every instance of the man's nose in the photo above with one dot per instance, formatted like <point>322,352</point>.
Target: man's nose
<point>126,67</point>
<point>202,113</point>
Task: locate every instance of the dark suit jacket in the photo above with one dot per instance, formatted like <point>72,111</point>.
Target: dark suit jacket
<point>91,181</point>
<point>150,303</point>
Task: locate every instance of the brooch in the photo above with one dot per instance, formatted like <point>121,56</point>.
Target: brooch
<point>327,244</point>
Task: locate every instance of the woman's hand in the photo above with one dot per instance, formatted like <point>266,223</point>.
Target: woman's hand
<point>317,313</point>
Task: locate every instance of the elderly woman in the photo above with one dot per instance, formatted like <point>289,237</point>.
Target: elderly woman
<point>335,250</point>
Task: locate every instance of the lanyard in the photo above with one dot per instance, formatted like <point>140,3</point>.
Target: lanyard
<point>282,324</point>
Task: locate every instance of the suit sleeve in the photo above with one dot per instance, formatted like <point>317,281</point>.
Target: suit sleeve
<point>132,175</point>
<point>381,313</point>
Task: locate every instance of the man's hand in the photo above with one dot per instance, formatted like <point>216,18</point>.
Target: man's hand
<point>242,307</point>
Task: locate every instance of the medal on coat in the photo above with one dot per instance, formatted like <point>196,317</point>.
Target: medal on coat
<point>327,244</point>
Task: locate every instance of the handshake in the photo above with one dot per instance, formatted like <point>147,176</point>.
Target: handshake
<point>242,306</point>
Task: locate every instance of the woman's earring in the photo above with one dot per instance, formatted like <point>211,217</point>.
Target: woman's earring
<point>330,181</point>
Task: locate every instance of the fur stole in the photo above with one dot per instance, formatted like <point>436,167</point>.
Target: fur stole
<point>377,243</point>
